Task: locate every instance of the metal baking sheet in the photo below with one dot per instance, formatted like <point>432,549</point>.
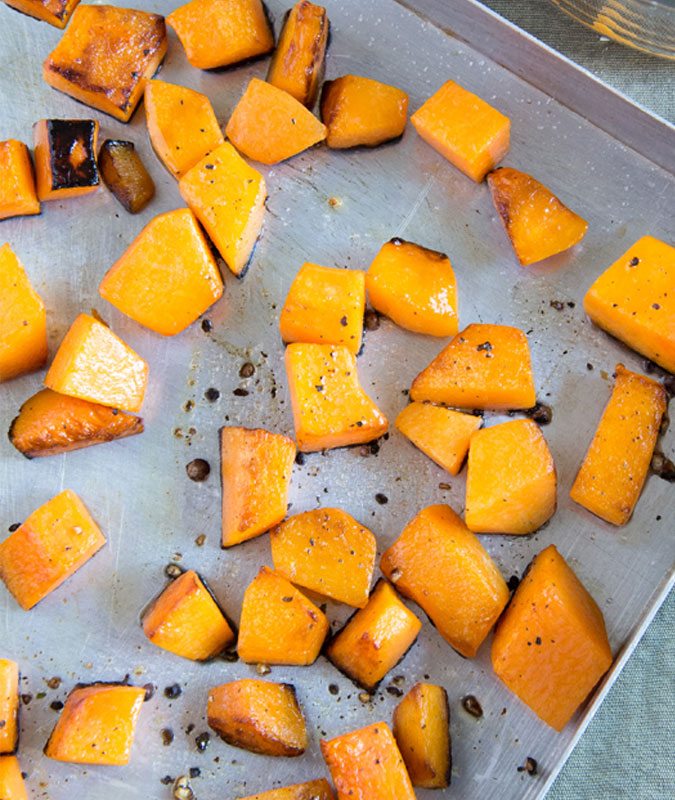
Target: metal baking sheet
<point>151,513</point>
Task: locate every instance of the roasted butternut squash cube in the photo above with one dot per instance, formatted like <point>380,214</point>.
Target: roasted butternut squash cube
<point>106,57</point>
<point>484,366</point>
<point>550,647</point>
<point>65,157</point>
<point>51,545</point>
<point>18,197</point>
<point>23,320</point>
<point>256,468</point>
<point>217,33</point>
<point>279,625</point>
<point>328,552</point>
<point>12,786</point>
<point>466,130</point>
<point>312,790</point>
<point>186,619</point>
<point>375,638</point>
<point>299,61</point>
<point>610,480</point>
<point>228,197</point>
<point>367,764</point>
<point>330,409</point>
<point>9,707</point>
<point>167,277</point>
<point>259,716</point>
<point>97,725</point>
<point>55,12</point>
<point>422,732</point>
<point>439,564</point>
<point>94,364</point>
<point>325,305</point>
<point>634,300</point>
<point>125,175</point>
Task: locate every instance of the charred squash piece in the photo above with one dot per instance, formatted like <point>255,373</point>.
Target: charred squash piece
<point>167,277</point>
<point>325,305</point>
<point>610,480</point>
<point>312,790</point>
<point>217,33</point>
<point>23,320</point>
<point>328,552</point>
<point>97,725</point>
<point>466,130</point>
<point>375,639</point>
<point>12,786</point>
<point>422,732</point>
<point>52,544</point>
<point>550,647</point>
<point>18,197</point>
<point>299,61</point>
<point>65,157</point>
<point>125,175</point>
<point>256,468</point>
<point>634,300</point>
<point>106,56</point>
<point>228,197</point>
<point>55,12</point>
<point>415,287</point>
<point>269,125</point>
<point>367,765</point>
<point>94,364</point>
<point>258,716</point>
<point>279,625</point>
<point>484,366</point>
<point>330,409</point>
<point>9,707</point>
<point>443,567</point>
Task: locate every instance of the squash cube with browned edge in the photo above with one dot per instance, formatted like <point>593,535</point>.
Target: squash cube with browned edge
<point>65,158</point>
<point>367,765</point>
<point>55,12</point>
<point>12,786</point>
<point>125,175</point>
<point>23,320</point>
<point>312,790</point>
<point>610,480</point>
<point>441,565</point>
<point>106,56</point>
<point>259,716</point>
<point>18,196</point>
<point>97,725</point>
<point>634,300</point>
<point>330,409</point>
<point>185,619</point>
<point>167,277</point>
<point>550,647</point>
<point>484,366</point>
<point>9,707</point>
<point>328,552</point>
<point>278,624</point>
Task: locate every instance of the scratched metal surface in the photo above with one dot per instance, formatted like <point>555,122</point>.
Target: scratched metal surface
<point>150,512</point>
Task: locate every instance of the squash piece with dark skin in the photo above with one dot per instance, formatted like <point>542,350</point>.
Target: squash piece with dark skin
<point>312,790</point>
<point>125,175</point>
<point>65,157</point>
<point>55,12</point>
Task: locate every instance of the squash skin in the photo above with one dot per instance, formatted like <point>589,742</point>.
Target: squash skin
<point>125,175</point>
<point>55,12</point>
<point>312,790</point>
<point>9,707</point>
<point>18,196</point>
<point>65,158</point>
<point>12,786</point>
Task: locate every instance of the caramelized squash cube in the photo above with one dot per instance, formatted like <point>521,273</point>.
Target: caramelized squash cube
<point>125,175</point>
<point>18,196</point>
<point>312,790</point>
<point>12,786</point>
<point>65,157</point>
<point>55,12</point>
<point>9,707</point>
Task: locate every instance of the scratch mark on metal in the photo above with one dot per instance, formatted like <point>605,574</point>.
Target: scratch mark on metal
<point>424,191</point>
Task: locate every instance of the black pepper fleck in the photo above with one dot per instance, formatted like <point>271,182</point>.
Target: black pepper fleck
<point>173,691</point>
<point>471,705</point>
<point>382,499</point>
<point>198,469</point>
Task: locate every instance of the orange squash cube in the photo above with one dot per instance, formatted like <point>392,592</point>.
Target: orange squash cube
<point>55,12</point>
<point>441,565</point>
<point>65,158</point>
<point>550,647</point>
<point>312,790</point>
<point>167,277</point>
<point>9,707</point>
<point>12,786</point>
<point>18,197</point>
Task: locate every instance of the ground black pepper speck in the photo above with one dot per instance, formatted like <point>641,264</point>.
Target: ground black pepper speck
<point>198,469</point>
<point>173,691</point>
<point>471,705</point>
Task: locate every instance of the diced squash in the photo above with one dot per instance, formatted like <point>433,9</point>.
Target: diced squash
<point>279,625</point>
<point>9,707</point>
<point>65,157</point>
<point>185,619</point>
<point>256,468</point>
<point>312,790</point>
<point>228,197</point>
<point>125,175</point>
<point>23,320</point>
<point>217,33</point>
<point>511,479</point>
<point>12,786</point>
<point>634,300</point>
<point>258,716</point>
<point>106,56</point>
<point>299,61</point>
<point>375,638</point>
<point>465,129</point>
<point>616,465</point>
<point>52,544</point>
<point>360,111</point>
<point>328,552</point>
<point>422,732</point>
<point>550,647</point>
<point>167,277</point>
<point>269,125</point>
<point>55,12</point>
<point>439,564</point>
<point>330,409</point>
<point>484,366</point>
<point>18,196</point>
<point>97,725</point>
<point>325,305</point>
<point>94,364</point>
